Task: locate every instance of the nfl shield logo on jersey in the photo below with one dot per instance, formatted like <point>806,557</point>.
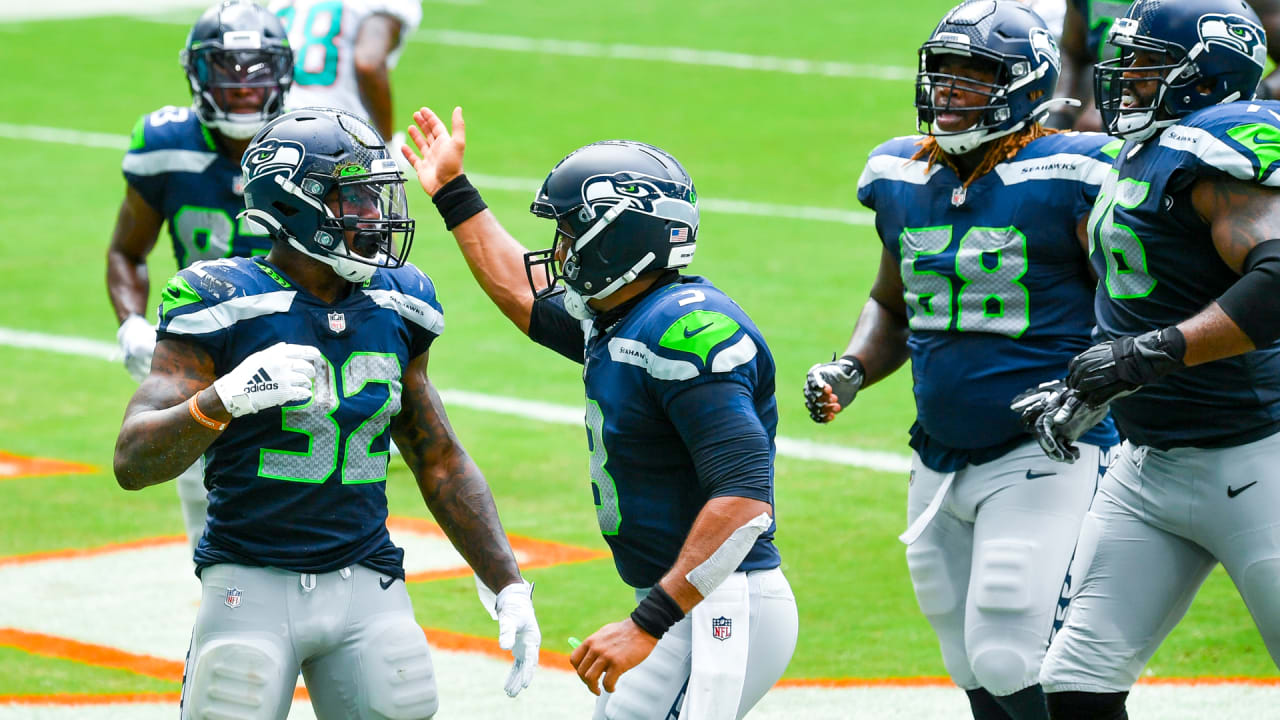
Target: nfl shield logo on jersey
<point>232,600</point>
<point>337,322</point>
<point>721,628</point>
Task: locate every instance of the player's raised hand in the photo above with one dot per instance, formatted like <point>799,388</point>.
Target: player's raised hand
<point>280,374</point>
<point>829,387</point>
<point>438,156</point>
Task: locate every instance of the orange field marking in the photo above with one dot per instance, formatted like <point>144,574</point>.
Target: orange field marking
<point>89,654</point>
<point>16,466</point>
<point>75,699</point>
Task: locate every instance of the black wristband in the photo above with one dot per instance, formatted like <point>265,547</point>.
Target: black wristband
<point>857,364</point>
<point>657,612</point>
<point>458,201</point>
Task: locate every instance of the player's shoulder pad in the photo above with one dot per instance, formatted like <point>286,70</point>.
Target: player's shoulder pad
<point>1240,139</point>
<point>410,293</point>
<point>214,295</point>
<point>1071,156</point>
<point>171,139</point>
<point>891,160</point>
<point>686,330</point>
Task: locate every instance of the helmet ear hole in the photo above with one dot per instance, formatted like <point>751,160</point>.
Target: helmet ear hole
<point>285,210</point>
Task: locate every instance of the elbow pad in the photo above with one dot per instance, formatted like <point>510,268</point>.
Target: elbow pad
<point>1253,302</point>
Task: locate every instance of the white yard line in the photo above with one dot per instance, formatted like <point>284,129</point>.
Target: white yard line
<point>79,138</point>
<point>515,407</point>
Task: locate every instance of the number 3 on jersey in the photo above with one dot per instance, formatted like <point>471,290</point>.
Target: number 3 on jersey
<point>988,262</point>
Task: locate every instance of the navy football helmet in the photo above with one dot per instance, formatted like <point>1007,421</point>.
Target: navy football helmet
<point>234,47</point>
<point>1197,53</point>
<point>622,208</point>
<point>323,181</point>
<point>1014,42</point>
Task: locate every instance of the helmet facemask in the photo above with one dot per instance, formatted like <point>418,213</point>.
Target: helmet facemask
<point>240,66</point>
<point>366,225</point>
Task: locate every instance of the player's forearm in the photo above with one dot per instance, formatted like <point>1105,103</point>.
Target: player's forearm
<point>461,503</point>
<point>496,261</point>
<point>879,341</point>
<point>157,443</point>
<point>713,526</point>
<point>127,285</point>
<point>1212,335</point>
<point>375,95</point>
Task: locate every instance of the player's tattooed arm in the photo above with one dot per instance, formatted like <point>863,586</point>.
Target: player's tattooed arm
<point>880,336</point>
<point>453,487</point>
<point>1241,216</point>
<point>132,239</point>
<point>159,437</point>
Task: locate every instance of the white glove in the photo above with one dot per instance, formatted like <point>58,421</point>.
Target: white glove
<point>280,374</point>
<point>137,340</point>
<point>517,629</point>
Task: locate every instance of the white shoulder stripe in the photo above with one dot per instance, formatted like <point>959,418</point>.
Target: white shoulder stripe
<point>1062,166</point>
<point>158,162</point>
<point>225,314</point>
<point>416,311</point>
<point>739,353</point>
<point>891,167</point>
<point>634,352</point>
<point>1213,152</point>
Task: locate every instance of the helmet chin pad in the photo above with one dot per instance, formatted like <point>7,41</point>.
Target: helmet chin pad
<point>345,268</point>
<point>236,128</point>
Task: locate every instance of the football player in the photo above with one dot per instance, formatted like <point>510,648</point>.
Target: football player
<point>1188,310</point>
<point>984,284</point>
<point>290,374</point>
<point>1084,36</point>
<point>183,168</point>
<point>680,417</point>
<point>344,53</point>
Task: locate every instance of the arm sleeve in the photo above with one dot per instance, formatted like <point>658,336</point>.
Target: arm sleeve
<point>728,443</point>
<point>550,325</point>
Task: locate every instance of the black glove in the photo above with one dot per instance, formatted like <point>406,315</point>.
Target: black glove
<point>1057,417</point>
<point>843,376</point>
<point>1118,367</point>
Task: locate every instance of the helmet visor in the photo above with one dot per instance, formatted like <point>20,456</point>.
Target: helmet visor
<point>242,82</point>
<point>372,215</point>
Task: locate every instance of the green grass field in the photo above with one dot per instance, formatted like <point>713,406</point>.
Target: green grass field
<point>747,135</point>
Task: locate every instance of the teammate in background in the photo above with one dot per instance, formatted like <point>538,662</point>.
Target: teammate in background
<point>984,283</point>
<point>286,373</point>
<point>1189,308</point>
<point>1084,35</point>
<point>183,168</point>
<point>680,418</point>
<point>345,51</point>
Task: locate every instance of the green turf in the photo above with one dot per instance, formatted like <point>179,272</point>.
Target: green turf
<point>744,135</point>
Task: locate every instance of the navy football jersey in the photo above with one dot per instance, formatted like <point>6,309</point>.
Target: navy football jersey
<point>997,288</point>
<point>1099,16</point>
<point>645,485</point>
<point>303,487</point>
<point>1159,267</point>
<point>174,164</point>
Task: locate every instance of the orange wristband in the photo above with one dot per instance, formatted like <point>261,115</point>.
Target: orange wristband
<point>203,419</point>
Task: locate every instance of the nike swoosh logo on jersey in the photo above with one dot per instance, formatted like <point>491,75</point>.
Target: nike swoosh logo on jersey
<point>1032,475</point>
<point>690,333</point>
<point>1232,492</point>
<point>386,582</point>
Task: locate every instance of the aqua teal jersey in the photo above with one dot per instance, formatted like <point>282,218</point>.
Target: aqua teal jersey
<point>174,164</point>
<point>303,487</point>
<point>1159,266</point>
<point>997,287</point>
<point>644,482</point>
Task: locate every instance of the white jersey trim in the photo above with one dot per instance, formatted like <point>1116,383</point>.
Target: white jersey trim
<point>225,314</point>
<point>1213,152</point>
<point>739,353</point>
<point>159,162</point>
<point>892,167</point>
<point>1060,166</point>
<point>416,311</point>
<point>634,352</point>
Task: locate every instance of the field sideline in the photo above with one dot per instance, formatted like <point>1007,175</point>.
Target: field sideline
<point>772,113</point>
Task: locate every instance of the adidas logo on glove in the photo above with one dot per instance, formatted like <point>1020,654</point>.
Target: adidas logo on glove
<point>261,382</point>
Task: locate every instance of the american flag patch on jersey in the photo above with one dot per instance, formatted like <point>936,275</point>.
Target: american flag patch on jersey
<point>679,235</point>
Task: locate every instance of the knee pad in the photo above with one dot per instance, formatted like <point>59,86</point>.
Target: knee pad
<point>238,677</point>
<point>935,593</point>
<point>1004,571</point>
<point>399,679</point>
<point>1002,669</point>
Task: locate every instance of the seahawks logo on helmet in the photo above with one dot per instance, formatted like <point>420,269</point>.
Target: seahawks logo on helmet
<point>641,192</point>
<point>1045,48</point>
<point>1233,32</point>
<point>272,156</point>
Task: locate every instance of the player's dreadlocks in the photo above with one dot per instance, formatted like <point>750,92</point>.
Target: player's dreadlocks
<point>997,152</point>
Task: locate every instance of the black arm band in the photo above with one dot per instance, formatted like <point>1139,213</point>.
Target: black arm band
<point>458,201</point>
<point>1253,302</point>
<point>657,612</point>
